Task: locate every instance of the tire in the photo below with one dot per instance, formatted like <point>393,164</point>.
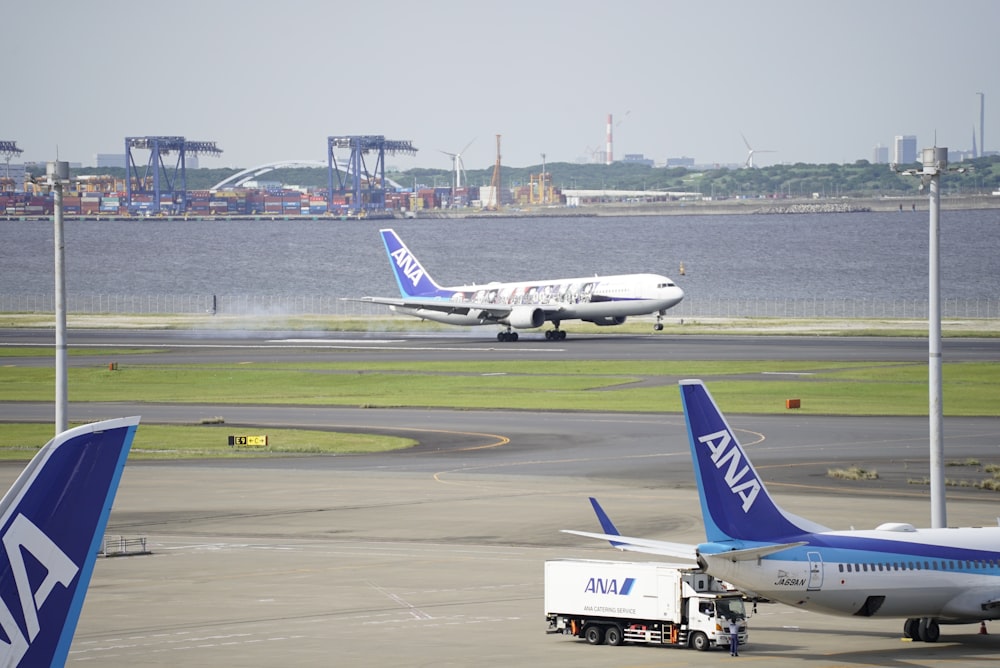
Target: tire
<point>911,629</point>
<point>613,636</point>
<point>594,634</point>
<point>700,641</point>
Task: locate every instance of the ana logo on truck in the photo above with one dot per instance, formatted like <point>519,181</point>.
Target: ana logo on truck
<point>609,586</point>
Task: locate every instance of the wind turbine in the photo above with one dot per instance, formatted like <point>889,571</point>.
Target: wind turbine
<point>458,167</point>
<point>750,151</point>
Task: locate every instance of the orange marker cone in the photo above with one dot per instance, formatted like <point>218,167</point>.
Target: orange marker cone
<point>982,629</point>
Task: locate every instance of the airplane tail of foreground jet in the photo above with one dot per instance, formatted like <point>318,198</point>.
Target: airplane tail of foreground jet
<point>735,504</point>
<point>52,521</point>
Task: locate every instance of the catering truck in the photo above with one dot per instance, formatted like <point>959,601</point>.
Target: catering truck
<point>618,602</point>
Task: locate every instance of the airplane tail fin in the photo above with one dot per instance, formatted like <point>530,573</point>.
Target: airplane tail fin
<point>52,521</point>
<point>735,505</point>
<point>412,278</point>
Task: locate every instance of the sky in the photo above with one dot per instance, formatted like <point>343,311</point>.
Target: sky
<point>811,80</point>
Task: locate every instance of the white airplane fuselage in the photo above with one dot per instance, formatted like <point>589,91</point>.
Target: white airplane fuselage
<point>903,573</point>
<point>601,299</point>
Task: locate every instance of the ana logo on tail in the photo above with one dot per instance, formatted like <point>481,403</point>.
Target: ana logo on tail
<point>408,266</point>
<point>60,569</point>
<point>723,447</point>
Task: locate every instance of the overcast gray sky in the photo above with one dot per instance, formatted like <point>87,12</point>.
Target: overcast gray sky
<point>813,81</point>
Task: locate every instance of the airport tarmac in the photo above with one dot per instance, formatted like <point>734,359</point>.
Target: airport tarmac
<point>257,567</point>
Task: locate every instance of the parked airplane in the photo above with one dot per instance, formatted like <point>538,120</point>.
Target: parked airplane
<point>602,300</point>
<point>927,576</point>
<point>52,522</point>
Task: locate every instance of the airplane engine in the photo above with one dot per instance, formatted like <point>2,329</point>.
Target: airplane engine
<point>526,317</point>
<point>609,321</point>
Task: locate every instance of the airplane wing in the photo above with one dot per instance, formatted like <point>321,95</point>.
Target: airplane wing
<point>677,550</point>
<point>462,308</point>
<point>688,553</point>
<point>488,312</point>
<point>683,550</point>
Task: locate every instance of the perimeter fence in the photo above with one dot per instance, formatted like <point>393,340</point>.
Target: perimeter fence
<point>691,307</point>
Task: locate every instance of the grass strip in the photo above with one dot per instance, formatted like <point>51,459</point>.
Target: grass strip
<point>20,442</point>
<point>970,389</point>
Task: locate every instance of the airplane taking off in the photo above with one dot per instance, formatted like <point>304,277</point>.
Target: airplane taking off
<point>927,576</point>
<point>602,300</point>
<point>52,523</point>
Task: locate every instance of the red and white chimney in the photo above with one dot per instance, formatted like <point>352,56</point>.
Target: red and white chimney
<point>608,154</point>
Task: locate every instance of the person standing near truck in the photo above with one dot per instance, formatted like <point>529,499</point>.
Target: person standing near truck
<point>734,637</point>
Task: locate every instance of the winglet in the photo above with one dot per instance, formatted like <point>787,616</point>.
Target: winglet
<point>735,504</point>
<point>412,278</point>
<point>52,521</point>
<point>606,524</point>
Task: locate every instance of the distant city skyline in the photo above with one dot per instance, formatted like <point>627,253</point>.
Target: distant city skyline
<point>818,82</point>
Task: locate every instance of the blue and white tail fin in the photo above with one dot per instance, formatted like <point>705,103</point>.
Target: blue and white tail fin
<point>413,279</point>
<point>735,505</point>
<point>52,522</point>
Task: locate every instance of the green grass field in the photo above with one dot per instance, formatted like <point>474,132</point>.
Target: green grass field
<point>827,388</point>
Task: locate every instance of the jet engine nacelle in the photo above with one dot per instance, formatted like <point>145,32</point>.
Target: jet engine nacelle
<point>609,321</point>
<point>526,317</point>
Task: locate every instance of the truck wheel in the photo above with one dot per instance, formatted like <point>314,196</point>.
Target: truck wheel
<point>699,641</point>
<point>613,636</point>
<point>594,634</point>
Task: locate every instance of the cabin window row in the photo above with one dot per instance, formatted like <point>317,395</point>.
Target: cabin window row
<point>919,565</point>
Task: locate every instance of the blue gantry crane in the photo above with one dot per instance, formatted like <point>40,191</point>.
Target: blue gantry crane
<point>156,187</point>
<point>366,187</point>
<point>8,149</point>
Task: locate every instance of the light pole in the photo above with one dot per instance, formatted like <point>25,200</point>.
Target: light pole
<point>56,176</point>
<point>935,161</point>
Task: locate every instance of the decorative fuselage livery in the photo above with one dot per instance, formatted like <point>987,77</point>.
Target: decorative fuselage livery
<point>51,523</point>
<point>602,300</point>
<point>927,576</point>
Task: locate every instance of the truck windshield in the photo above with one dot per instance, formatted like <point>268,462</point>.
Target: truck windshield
<point>730,607</point>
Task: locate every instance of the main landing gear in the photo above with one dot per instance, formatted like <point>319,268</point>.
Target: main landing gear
<point>507,335</point>
<point>924,628</point>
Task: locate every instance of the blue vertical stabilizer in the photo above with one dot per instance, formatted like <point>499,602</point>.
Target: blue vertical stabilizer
<point>53,520</point>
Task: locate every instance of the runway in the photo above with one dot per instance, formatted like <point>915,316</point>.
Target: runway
<point>433,556</point>
<point>199,346</point>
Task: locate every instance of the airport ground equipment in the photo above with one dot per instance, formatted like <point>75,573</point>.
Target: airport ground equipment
<point>617,602</point>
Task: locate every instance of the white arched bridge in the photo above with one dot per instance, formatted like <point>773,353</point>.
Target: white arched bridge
<point>239,178</point>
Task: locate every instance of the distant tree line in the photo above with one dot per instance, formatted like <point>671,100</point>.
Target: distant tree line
<point>860,179</point>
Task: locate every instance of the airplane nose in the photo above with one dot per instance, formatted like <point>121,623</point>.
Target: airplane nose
<point>678,295</point>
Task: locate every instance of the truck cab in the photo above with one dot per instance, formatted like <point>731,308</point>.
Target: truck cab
<point>708,620</point>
